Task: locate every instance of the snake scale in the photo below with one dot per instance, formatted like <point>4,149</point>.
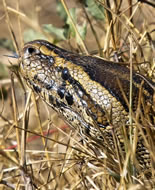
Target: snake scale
<point>90,93</point>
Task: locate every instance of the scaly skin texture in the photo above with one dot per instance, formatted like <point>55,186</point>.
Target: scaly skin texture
<point>87,91</point>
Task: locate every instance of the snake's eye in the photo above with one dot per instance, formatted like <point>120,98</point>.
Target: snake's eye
<point>32,50</point>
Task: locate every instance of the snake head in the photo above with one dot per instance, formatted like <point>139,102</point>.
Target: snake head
<point>36,59</point>
<point>37,66</point>
<point>41,65</point>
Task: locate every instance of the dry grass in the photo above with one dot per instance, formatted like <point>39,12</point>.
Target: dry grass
<point>38,151</point>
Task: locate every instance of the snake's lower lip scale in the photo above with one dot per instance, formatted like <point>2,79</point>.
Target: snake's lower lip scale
<point>91,94</point>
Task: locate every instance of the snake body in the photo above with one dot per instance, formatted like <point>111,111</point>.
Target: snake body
<point>90,93</point>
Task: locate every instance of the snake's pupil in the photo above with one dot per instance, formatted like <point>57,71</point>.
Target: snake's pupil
<point>31,50</point>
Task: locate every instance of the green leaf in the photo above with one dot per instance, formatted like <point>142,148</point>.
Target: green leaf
<point>69,22</point>
<point>68,30</point>
<point>65,32</point>
<point>82,31</point>
<point>59,32</point>
<point>95,9</point>
<point>31,34</point>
